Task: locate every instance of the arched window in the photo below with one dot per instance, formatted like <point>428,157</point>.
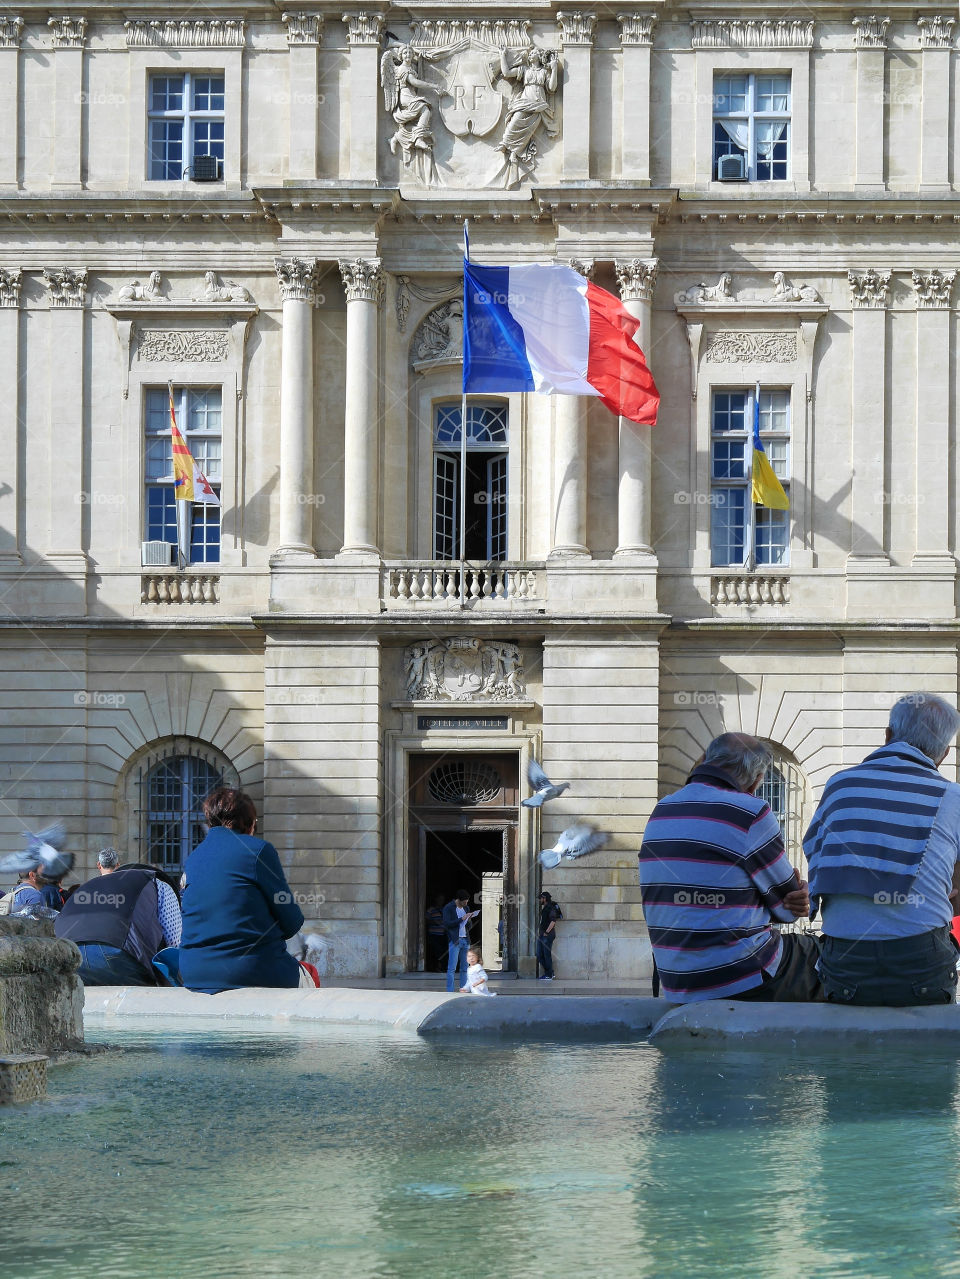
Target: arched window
<point>486,501</point>
<point>785,789</point>
<point>171,785</point>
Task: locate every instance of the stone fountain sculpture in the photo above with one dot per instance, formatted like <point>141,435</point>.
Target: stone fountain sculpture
<point>41,1004</point>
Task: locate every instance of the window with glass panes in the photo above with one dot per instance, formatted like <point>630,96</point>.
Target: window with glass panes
<point>741,532</point>
<point>198,411</point>
<point>185,118</point>
<point>751,117</point>
<point>487,456</point>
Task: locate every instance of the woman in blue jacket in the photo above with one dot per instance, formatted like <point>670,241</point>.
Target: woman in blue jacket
<point>237,905</point>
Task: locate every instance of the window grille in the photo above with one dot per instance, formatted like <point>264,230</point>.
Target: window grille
<point>785,789</point>
<point>464,782</point>
<point>171,792</point>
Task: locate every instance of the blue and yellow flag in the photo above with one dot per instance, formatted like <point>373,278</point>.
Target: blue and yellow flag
<point>767,489</point>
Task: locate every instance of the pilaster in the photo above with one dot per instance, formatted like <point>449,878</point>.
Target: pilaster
<point>636,41</point>
<point>11,29</point>
<point>363,35</point>
<point>932,290</point>
<point>10,414</point>
<point>869,292</point>
<point>66,292</point>
<point>304,37</point>
<point>296,279</point>
<point>936,39</point>
<point>870,40</point>
<point>69,38</point>
<point>576,37</point>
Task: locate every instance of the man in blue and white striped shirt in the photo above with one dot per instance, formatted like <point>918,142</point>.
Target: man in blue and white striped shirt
<point>713,877</point>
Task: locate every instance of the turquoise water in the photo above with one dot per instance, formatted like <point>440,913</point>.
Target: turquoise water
<point>253,1152</point>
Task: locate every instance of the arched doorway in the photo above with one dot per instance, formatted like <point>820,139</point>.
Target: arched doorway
<point>464,820</point>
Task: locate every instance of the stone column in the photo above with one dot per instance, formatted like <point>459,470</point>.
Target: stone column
<point>869,322</point>
<point>570,465</point>
<point>296,279</point>
<point>67,292</point>
<point>66,127</point>
<point>363,283</point>
<point>363,34</point>
<point>576,38</point>
<point>933,289</point>
<point>10,413</point>
<point>304,35</point>
<point>870,38</point>
<point>936,40</point>
<point>636,279</point>
<point>636,40</point>
<point>10,30</point>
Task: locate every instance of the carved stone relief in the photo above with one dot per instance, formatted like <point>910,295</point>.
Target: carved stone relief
<point>407,288</point>
<point>464,79</point>
<point>303,28</point>
<point>870,33</point>
<point>936,32</point>
<point>10,31</point>
<point>215,291</point>
<point>186,33</point>
<point>869,288</point>
<point>734,33</point>
<point>68,33</point>
<point>464,669</point>
<point>720,292</point>
<point>785,291</point>
<point>933,288</point>
<point>10,287</point>
<point>751,347</point>
<point>182,346</point>
<point>439,335</point>
<point>65,287</point>
<point>152,291</point>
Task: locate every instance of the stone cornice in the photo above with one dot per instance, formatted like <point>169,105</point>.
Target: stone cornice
<point>131,209</point>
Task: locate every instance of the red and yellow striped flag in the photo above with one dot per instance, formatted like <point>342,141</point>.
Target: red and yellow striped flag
<point>182,459</point>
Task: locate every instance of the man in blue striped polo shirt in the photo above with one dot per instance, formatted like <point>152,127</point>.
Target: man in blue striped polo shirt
<point>714,876</point>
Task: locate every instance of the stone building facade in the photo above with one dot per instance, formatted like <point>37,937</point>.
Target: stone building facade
<point>263,209</point>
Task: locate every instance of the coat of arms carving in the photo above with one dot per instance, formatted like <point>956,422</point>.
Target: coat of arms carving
<point>464,669</point>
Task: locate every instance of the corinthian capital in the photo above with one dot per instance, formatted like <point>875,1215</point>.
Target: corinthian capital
<point>933,289</point>
<point>869,288</point>
<point>636,278</point>
<point>65,287</point>
<point>362,279</point>
<point>636,28</point>
<point>297,279</point>
<point>10,287</point>
<point>936,32</point>
<point>576,27</point>
<point>303,27</point>
<point>68,33</point>
<point>364,28</point>
<point>870,33</point>
<point>10,32</point>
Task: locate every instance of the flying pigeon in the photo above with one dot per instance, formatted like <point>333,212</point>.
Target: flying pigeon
<point>44,852</point>
<point>575,841</point>
<point>543,788</point>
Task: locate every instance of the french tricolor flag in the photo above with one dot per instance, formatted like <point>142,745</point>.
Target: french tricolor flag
<point>548,329</point>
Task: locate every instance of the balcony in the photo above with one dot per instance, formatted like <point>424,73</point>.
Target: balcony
<point>749,588</point>
<point>179,588</point>
<point>439,584</point>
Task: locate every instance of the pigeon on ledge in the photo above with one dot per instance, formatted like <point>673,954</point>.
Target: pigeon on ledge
<point>543,788</point>
<point>44,852</point>
<point>575,841</point>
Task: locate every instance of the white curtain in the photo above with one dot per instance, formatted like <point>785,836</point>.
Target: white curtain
<point>738,131</point>
<point>768,135</point>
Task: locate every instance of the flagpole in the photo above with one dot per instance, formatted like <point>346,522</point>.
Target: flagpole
<point>182,509</point>
<point>463,439</point>
<point>752,522</point>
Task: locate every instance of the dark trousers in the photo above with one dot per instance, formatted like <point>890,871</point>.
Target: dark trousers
<point>895,974</point>
<point>545,953</point>
<point>796,979</point>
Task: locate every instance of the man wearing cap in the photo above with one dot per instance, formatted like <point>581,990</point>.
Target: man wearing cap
<point>547,934</point>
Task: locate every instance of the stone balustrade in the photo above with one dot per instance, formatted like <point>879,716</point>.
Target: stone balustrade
<point>179,588</point>
<point>749,588</point>
<point>439,584</point>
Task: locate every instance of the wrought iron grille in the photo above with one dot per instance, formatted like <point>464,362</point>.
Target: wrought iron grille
<point>464,782</point>
<point>172,789</point>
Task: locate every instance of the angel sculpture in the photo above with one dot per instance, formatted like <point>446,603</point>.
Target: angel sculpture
<point>412,113</point>
<point>537,74</point>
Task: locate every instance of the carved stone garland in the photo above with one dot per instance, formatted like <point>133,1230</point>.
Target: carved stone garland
<point>751,347</point>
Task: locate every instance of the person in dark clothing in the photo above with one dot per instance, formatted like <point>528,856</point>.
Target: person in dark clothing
<point>238,909</point>
<point>119,922</point>
<point>547,934</point>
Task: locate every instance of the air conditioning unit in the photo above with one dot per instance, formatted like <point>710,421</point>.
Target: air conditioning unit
<point>732,168</point>
<point>157,554</point>
<point>205,168</point>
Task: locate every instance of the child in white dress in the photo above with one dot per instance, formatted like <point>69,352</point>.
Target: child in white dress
<point>476,977</point>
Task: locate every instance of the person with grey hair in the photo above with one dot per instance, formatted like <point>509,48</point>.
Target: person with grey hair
<point>108,859</point>
<point>883,850</point>
<point>713,878</point>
